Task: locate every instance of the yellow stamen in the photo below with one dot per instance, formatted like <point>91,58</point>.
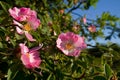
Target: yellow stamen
<point>27,27</point>
<point>69,46</point>
<point>27,54</point>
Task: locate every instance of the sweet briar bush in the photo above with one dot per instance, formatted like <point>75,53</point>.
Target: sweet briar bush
<point>40,40</point>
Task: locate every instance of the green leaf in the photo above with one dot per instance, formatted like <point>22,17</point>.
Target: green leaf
<point>4,6</point>
<point>82,64</point>
<point>51,77</point>
<point>28,77</point>
<point>1,45</point>
<point>21,76</point>
<point>13,42</point>
<point>108,71</point>
<point>93,3</point>
<point>99,78</point>
<point>12,72</point>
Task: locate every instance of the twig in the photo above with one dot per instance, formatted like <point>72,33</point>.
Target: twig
<point>75,7</point>
<point>80,16</point>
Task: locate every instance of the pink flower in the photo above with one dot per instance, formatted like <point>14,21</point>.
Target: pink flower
<point>21,14</point>
<point>92,28</point>
<point>29,17</point>
<point>30,57</point>
<point>84,20</point>
<point>26,15</point>
<point>21,29</point>
<point>70,44</point>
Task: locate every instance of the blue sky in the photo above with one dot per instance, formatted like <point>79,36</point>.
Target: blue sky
<point>105,5</point>
<point>112,6</point>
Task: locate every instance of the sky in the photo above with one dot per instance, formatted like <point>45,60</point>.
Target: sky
<point>112,6</point>
<point>103,6</point>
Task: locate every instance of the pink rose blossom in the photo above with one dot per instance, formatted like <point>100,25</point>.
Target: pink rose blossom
<point>70,44</point>
<point>30,57</point>
<point>92,28</point>
<point>29,17</point>
<point>26,15</point>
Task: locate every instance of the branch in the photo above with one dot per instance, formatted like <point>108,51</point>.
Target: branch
<point>91,45</point>
<point>80,16</point>
<point>75,7</point>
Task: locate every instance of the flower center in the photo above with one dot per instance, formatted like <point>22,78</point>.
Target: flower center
<point>69,46</point>
<point>27,27</point>
<point>27,54</point>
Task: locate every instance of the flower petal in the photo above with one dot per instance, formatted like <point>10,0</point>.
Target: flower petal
<point>17,23</point>
<point>19,31</point>
<point>29,36</point>
<point>84,20</point>
<point>24,49</point>
<point>80,43</point>
<point>21,14</point>
<point>34,59</point>
<point>35,48</point>
<point>34,22</point>
<point>92,28</point>
<point>25,60</point>
<point>14,12</point>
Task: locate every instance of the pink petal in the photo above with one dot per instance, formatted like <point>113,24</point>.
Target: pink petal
<point>24,11</point>
<point>35,48</point>
<point>58,43</point>
<point>21,14</point>
<point>80,43</point>
<point>92,28</point>
<point>19,31</point>
<point>75,53</point>
<point>25,59</point>
<point>31,59</point>
<point>63,37</point>
<point>34,22</point>
<point>84,20</point>
<point>24,49</point>
<point>29,36</point>
<point>35,59</point>
<point>33,13</point>
<point>14,12</point>
<point>17,23</point>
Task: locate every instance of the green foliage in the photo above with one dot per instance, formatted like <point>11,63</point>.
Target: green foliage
<point>108,71</point>
<point>99,62</point>
<point>90,3</point>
